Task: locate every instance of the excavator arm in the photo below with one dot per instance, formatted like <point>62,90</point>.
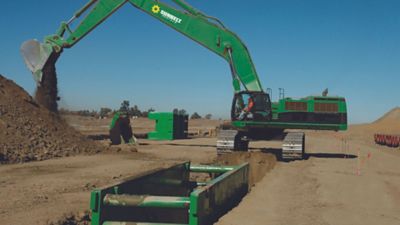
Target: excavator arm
<point>205,30</point>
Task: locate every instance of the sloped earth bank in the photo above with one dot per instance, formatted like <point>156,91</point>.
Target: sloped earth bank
<point>29,132</point>
<point>260,163</point>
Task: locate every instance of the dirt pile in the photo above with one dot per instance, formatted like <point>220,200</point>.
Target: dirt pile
<point>390,122</point>
<point>28,131</point>
<point>260,163</point>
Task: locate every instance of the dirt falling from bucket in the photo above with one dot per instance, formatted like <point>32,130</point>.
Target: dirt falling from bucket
<point>47,93</point>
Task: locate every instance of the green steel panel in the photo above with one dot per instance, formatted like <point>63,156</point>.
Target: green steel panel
<point>134,223</point>
<point>169,126</point>
<point>164,129</point>
<point>210,202</point>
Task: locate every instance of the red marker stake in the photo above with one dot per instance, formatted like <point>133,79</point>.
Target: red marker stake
<point>358,163</point>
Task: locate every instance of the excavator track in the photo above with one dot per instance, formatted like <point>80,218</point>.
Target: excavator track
<point>293,147</point>
<point>231,140</point>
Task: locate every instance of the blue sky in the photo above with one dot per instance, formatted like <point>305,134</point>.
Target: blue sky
<point>350,46</point>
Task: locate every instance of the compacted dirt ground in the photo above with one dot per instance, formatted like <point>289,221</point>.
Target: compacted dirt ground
<point>346,179</point>
<point>329,187</point>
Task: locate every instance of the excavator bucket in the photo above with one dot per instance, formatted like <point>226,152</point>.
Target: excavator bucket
<point>36,56</point>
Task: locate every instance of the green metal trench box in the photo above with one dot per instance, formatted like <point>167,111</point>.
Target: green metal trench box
<point>181,194</point>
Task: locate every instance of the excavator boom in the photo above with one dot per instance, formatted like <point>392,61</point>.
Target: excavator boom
<point>205,30</point>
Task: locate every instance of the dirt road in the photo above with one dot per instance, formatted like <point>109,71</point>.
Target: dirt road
<point>326,188</point>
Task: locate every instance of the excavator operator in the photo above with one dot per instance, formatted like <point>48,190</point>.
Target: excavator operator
<point>246,112</point>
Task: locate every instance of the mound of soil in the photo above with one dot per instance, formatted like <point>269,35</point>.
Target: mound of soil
<point>392,115</point>
<point>260,163</point>
<point>389,123</point>
<point>29,131</point>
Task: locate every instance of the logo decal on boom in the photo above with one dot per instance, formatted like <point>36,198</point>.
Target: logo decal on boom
<point>155,9</point>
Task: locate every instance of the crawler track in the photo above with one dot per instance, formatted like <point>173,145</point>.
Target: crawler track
<point>293,146</point>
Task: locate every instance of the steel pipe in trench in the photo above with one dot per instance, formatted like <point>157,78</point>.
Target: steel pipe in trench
<point>146,201</point>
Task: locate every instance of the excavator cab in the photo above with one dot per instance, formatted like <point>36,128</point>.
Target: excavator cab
<point>250,105</point>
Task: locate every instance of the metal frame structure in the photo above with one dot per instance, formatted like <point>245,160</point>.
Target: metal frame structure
<point>171,196</point>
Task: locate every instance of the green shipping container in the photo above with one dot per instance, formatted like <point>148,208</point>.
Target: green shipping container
<point>169,126</point>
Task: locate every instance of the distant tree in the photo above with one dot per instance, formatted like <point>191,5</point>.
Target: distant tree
<point>104,112</point>
<point>135,111</point>
<point>195,116</point>
<point>84,112</point>
<point>146,113</point>
<point>94,113</point>
<point>65,111</point>
<point>124,106</point>
<point>179,111</point>
<point>208,116</point>
<point>182,112</point>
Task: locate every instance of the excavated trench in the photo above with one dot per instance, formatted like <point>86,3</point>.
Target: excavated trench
<point>260,163</point>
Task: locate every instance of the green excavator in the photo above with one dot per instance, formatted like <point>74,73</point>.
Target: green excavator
<point>263,120</point>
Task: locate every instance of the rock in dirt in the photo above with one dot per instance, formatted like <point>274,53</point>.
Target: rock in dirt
<point>29,131</point>
<point>83,218</point>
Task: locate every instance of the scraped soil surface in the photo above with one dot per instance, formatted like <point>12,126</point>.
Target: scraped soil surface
<point>345,179</point>
<point>28,131</point>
